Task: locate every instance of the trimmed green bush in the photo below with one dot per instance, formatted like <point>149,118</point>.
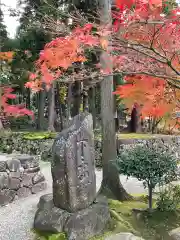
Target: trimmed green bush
<point>149,163</point>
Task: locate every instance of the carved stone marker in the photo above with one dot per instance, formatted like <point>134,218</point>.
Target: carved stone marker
<point>73,167</point>
<point>73,207</point>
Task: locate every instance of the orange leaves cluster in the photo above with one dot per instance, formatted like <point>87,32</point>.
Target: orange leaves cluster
<point>12,110</point>
<point>54,60</point>
<point>6,56</point>
<point>150,93</point>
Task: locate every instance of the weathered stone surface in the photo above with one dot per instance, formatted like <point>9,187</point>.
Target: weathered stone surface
<point>50,219</point>
<point>14,183</point>
<point>14,165</point>
<point>175,234</point>
<point>2,166</point>
<point>73,170</point>
<point>14,174</point>
<point>4,179</point>
<point>32,170</point>
<point>27,179</point>
<point>46,201</point>
<point>6,196</point>
<point>28,161</point>
<point>38,187</point>
<point>89,222</point>
<point>39,177</point>
<point>23,192</point>
<point>123,236</point>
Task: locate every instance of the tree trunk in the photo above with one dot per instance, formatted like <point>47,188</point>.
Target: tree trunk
<point>135,123</point>
<point>92,107</point>
<point>59,106</point>
<point>76,98</point>
<point>28,98</point>
<point>111,185</point>
<point>41,106</point>
<point>85,101</point>
<point>51,117</point>
<point>150,189</point>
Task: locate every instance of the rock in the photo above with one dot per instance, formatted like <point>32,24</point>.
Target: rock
<point>4,180</point>
<point>6,196</point>
<point>14,165</point>
<point>2,166</point>
<point>27,179</point>
<point>23,192</point>
<point>123,236</point>
<point>14,174</point>
<point>50,219</point>
<point>28,161</point>
<point>32,170</point>
<point>175,234</point>
<point>38,187</point>
<point>14,183</point>
<point>89,222</point>
<point>46,201</point>
<point>39,177</point>
<point>73,168</point>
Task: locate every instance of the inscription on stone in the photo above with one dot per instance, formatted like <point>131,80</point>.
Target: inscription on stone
<point>73,170</point>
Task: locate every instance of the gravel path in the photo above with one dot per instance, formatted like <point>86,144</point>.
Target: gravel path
<point>16,219</point>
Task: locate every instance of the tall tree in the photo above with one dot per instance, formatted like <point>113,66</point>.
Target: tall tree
<point>111,183</point>
<point>3,31</point>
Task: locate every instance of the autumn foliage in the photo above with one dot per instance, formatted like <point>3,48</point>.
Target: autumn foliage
<point>152,94</point>
<point>6,56</point>
<point>10,109</point>
<point>144,44</point>
<point>6,94</point>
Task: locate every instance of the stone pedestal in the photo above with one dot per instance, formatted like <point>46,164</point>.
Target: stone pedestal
<point>73,207</point>
<point>81,225</point>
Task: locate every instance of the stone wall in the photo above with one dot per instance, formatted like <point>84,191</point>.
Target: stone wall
<point>169,142</point>
<point>15,141</point>
<point>20,177</point>
<point>43,147</point>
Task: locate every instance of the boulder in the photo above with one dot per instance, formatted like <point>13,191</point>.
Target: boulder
<point>15,174</point>
<point>27,179</point>
<point>89,222</point>
<point>4,180</point>
<point>50,219</point>
<point>46,201</point>
<point>38,187</point>
<point>2,166</point>
<point>32,170</point>
<point>6,196</point>
<point>39,177</point>
<point>14,183</point>
<point>28,161</point>
<point>14,165</point>
<point>175,234</point>
<point>23,192</point>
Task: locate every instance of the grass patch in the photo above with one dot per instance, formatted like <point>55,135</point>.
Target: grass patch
<point>134,136</point>
<point>128,136</point>
<point>39,135</point>
<point>154,226</point>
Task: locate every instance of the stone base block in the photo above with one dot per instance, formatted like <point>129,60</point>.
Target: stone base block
<point>80,225</point>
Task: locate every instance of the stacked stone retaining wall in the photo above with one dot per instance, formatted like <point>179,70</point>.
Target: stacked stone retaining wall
<point>20,176</point>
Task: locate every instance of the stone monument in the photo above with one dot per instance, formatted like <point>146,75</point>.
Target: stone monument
<point>73,207</point>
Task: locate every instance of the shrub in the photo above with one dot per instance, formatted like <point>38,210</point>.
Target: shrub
<point>169,198</point>
<point>150,164</point>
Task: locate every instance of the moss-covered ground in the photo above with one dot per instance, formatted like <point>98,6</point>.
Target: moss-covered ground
<point>154,226</point>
